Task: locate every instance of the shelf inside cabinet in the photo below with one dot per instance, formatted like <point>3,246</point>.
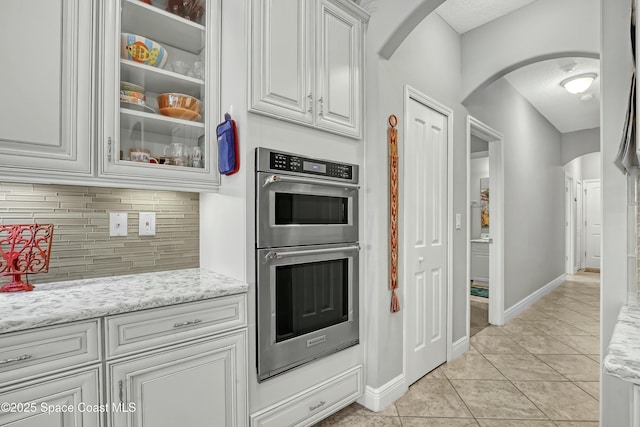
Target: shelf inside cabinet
<point>162,26</point>
<point>156,123</point>
<point>158,80</point>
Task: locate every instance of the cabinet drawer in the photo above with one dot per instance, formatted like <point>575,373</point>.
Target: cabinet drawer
<point>314,404</point>
<point>47,350</point>
<point>144,330</point>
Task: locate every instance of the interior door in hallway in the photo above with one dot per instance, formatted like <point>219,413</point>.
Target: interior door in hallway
<point>579,241</point>
<point>593,223</point>
<point>425,242</point>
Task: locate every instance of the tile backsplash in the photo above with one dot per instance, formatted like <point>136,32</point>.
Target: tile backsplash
<point>82,247</point>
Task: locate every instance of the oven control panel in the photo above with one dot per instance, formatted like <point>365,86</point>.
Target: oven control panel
<point>293,163</point>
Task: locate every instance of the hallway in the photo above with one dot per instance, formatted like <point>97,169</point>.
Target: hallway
<point>539,370</point>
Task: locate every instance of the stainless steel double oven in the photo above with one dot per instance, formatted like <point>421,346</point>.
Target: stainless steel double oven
<point>306,259</point>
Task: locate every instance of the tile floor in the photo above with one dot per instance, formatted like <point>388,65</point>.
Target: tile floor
<point>539,370</point>
<point>479,314</point>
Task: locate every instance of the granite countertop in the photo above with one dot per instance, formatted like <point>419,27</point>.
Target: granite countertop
<point>61,302</point>
<point>623,354</point>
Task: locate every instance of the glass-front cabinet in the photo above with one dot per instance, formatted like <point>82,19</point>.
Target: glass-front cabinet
<point>159,89</point>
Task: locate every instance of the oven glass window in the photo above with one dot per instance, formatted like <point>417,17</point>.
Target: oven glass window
<point>310,209</point>
<point>311,296</point>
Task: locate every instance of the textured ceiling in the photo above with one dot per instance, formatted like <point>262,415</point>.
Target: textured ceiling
<point>540,84</point>
<point>465,15</point>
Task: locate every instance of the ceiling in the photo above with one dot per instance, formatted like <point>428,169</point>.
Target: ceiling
<point>465,15</point>
<point>539,83</point>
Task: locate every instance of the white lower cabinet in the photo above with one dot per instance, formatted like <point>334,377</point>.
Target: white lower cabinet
<point>314,404</point>
<point>178,366</point>
<point>67,400</point>
<point>195,385</point>
<point>480,262</point>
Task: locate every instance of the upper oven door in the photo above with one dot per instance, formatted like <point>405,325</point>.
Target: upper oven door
<point>293,211</point>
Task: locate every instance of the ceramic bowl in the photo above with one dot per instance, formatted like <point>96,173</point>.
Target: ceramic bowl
<point>131,86</point>
<point>179,100</point>
<point>132,97</point>
<point>143,50</point>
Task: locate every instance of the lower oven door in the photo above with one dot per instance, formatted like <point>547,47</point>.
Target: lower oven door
<point>307,304</point>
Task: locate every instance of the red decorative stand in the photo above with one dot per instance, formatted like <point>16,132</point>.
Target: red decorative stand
<point>24,249</point>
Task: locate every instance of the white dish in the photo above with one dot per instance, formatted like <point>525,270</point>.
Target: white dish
<point>144,108</point>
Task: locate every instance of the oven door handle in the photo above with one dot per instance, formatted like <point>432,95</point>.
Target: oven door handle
<point>281,255</point>
<point>299,180</point>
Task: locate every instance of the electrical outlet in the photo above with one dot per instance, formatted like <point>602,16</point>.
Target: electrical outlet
<point>117,224</point>
<point>147,224</point>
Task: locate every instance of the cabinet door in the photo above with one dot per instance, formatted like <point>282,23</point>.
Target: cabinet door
<point>65,401</point>
<point>635,409</point>
<point>480,262</point>
<point>47,64</point>
<point>197,385</point>
<point>159,87</point>
<point>339,66</point>
<point>281,61</point>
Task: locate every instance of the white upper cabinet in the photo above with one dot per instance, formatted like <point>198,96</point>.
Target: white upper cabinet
<point>147,53</point>
<point>46,85</point>
<point>306,63</point>
<point>339,69</point>
<point>282,73</point>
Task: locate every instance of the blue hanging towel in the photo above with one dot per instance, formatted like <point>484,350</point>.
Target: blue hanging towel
<point>226,131</point>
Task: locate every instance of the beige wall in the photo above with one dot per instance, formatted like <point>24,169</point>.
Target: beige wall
<point>82,247</point>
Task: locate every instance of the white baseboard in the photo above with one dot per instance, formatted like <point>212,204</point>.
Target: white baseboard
<point>376,399</point>
<point>459,347</point>
<point>527,302</point>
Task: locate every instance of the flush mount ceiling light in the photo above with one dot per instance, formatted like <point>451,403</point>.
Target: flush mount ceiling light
<point>578,84</point>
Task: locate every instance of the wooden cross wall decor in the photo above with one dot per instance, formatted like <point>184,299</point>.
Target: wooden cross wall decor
<point>393,211</point>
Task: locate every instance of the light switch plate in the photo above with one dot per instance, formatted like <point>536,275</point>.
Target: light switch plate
<point>147,224</point>
<point>458,221</point>
<point>117,224</point>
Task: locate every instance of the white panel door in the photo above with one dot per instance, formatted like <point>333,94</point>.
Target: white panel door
<point>198,385</point>
<point>338,50</point>
<point>578,245</point>
<point>281,61</point>
<point>46,77</point>
<point>63,401</point>
<point>568,224</point>
<point>593,223</point>
<point>425,242</point>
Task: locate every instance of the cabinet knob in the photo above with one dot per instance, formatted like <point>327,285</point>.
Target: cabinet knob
<point>420,259</point>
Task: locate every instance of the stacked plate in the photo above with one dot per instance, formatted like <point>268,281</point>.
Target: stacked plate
<point>132,96</point>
